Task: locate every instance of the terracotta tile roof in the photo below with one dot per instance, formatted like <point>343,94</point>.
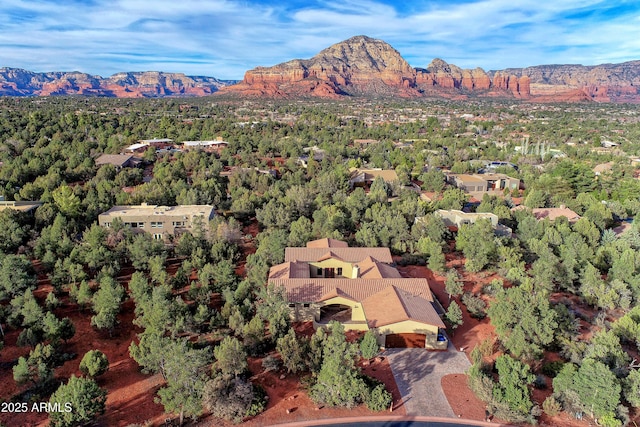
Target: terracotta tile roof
<point>333,293</point>
<point>289,270</point>
<point>370,268</point>
<point>329,255</point>
<point>393,305</point>
<point>345,253</point>
<point>313,289</point>
<point>327,243</point>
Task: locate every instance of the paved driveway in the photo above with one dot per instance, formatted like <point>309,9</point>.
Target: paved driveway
<point>418,372</point>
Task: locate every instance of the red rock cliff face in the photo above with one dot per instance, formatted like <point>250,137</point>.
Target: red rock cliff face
<point>359,65</point>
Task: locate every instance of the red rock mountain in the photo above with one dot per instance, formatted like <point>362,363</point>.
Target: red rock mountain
<point>17,82</point>
<point>365,66</point>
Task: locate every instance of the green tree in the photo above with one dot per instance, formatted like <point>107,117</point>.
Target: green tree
<point>477,242</point>
<point>142,249</point>
<point>453,285</point>
<point>66,201</point>
<point>597,388</point>
<point>184,371</point>
<point>13,230</point>
<point>231,359</point>
<point>338,382</point>
<point>524,321</point>
<point>106,303</point>
<point>452,198</point>
<point>293,351</point>
<point>273,308</point>
<point>86,399</point>
<point>37,368</point>
<point>94,363</point>
<point>632,388</point>
<point>16,275</point>
<point>369,345</point>
<point>454,315</point>
<point>514,377</point>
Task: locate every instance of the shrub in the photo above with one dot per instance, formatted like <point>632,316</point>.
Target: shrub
<point>259,402</point>
<point>551,406</point>
<point>270,363</point>
<point>540,382</point>
<point>94,363</point>
<point>378,399</point>
<point>475,306</point>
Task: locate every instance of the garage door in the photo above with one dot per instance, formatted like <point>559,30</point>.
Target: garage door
<point>405,341</point>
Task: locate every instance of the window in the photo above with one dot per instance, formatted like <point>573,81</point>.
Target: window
<point>319,272</point>
<point>135,224</point>
<point>157,224</point>
<point>107,224</point>
<point>291,305</point>
<point>306,305</point>
<point>157,236</point>
<point>178,223</point>
<point>339,271</point>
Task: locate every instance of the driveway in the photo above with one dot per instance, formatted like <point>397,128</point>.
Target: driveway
<point>418,373</point>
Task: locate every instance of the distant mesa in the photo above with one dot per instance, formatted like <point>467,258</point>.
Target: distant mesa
<point>359,66</point>
<point>18,82</point>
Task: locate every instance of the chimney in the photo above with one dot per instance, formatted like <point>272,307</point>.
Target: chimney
<point>562,206</point>
<point>355,273</point>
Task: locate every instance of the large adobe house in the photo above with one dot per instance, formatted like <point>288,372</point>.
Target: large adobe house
<point>328,280</point>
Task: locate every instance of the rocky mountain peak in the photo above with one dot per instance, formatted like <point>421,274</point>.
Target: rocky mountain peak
<point>364,54</point>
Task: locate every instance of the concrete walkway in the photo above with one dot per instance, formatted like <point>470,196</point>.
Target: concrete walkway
<point>418,373</point>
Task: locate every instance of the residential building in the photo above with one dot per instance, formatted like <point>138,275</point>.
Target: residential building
<point>159,221</point>
<point>483,182</point>
<point>456,218</point>
<point>214,145</point>
<point>22,206</point>
<point>365,177</point>
<point>359,287</point>
<point>119,161</point>
<point>551,213</point>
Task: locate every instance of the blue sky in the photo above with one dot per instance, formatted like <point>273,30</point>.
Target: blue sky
<point>224,38</point>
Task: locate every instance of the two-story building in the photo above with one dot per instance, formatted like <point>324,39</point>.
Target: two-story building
<point>160,221</point>
<point>483,182</point>
<point>358,287</point>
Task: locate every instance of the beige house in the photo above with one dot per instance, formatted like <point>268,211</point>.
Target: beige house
<point>551,213</point>
<point>365,177</point>
<point>160,221</point>
<point>483,182</point>
<point>327,280</point>
<point>456,218</point>
<point>119,161</point>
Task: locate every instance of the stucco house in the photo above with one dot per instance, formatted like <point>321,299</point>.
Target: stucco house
<point>483,182</point>
<point>365,177</point>
<point>328,280</point>
<point>160,221</point>
<point>456,218</point>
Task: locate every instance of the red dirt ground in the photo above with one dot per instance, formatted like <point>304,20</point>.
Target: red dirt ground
<point>130,397</point>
